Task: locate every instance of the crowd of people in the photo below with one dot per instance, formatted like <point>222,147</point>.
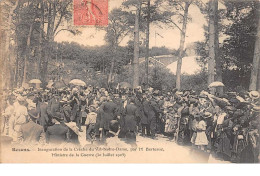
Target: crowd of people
<point>226,125</point>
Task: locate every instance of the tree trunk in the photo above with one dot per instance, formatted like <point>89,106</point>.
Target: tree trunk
<point>27,54</point>
<point>147,44</point>
<point>216,48</point>
<point>212,52</point>
<point>258,78</point>
<point>17,75</point>
<point>255,73</point>
<point>49,40</point>
<point>111,71</point>
<point>40,41</point>
<point>7,53</point>
<point>181,48</point>
<point>136,48</point>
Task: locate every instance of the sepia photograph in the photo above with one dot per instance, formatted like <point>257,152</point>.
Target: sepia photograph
<point>130,81</point>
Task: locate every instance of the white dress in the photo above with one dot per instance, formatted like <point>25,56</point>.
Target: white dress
<point>201,138</point>
<point>8,114</point>
<point>20,117</point>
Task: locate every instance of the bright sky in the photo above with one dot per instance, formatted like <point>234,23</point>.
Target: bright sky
<point>92,36</point>
<point>189,66</point>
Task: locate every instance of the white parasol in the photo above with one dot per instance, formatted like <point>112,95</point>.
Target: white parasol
<point>35,81</point>
<point>77,82</point>
<point>216,84</point>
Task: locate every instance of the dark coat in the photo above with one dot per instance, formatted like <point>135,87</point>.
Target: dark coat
<point>109,113</point>
<point>44,118</point>
<point>155,107</point>
<point>121,113</point>
<point>130,118</point>
<point>56,134</point>
<point>109,135</point>
<point>53,108</point>
<point>148,110</point>
<point>75,104</point>
<point>121,108</point>
<point>31,132</point>
<point>98,120</point>
<point>160,104</point>
<point>66,113</point>
<point>140,110</point>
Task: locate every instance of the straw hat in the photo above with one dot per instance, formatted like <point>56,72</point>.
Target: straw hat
<point>254,94</point>
<point>207,115</point>
<point>256,108</point>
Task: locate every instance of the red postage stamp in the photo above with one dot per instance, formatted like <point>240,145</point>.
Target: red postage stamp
<point>90,12</point>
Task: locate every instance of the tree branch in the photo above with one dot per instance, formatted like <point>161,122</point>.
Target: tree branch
<point>71,31</point>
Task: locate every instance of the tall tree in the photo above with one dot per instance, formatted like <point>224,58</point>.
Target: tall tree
<point>7,11</point>
<point>218,65</point>
<point>120,23</point>
<point>148,19</point>
<point>237,51</point>
<point>136,47</point>
<point>255,73</point>
<point>28,46</point>
<point>212,46</point>
<point>182,41</point>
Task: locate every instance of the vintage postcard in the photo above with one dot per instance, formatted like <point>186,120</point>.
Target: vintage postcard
<point>130,81</point>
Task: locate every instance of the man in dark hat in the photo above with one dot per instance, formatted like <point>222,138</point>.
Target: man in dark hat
<point>75,105</point>
<point>144,117</point>
<point>44,118</point>
<point>151,109</point>
<point>65,110</point>
<point>121,112</point>
<point>130,121</point>
<point>54,106</point>
<point>109,109</point>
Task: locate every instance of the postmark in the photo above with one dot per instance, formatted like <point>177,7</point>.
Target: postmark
<point>90,12</point>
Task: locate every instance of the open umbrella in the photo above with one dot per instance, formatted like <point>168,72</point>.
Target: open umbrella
<point>216,84</point>
<point>77,82</point>
<point>35,81</point>
<point>125,85</point>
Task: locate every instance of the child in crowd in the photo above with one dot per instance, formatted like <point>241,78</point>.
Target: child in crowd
<point>90,123</point>
<point>201,139</point>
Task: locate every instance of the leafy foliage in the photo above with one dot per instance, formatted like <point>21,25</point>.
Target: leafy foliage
<point>239,24</point>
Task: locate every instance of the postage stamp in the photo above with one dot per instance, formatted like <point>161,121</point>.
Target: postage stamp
<point>90,12</point>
